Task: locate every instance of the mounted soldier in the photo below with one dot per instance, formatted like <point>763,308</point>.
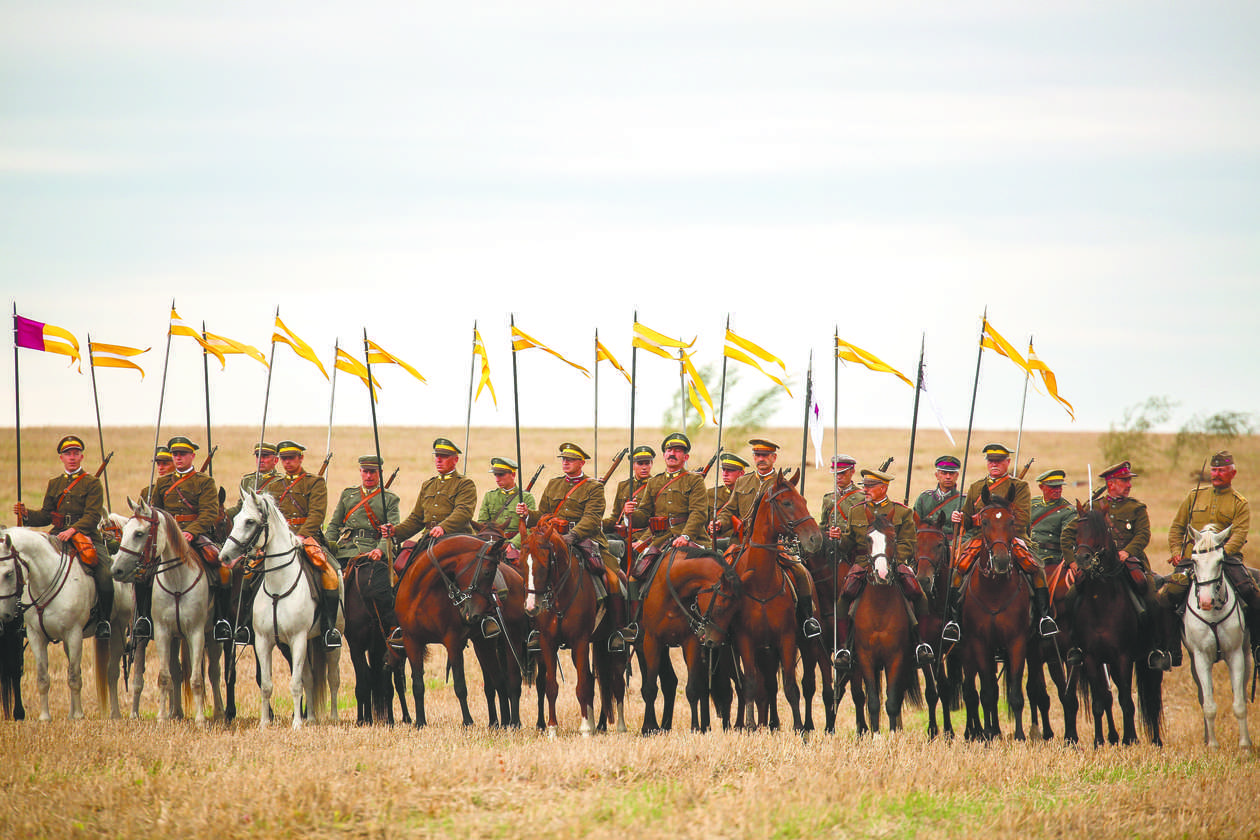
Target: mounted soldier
<point>498,507</point>
<point>945,497</point>
<point>74,505</point>
<point>579,500</point>
<point>446,503</point>
<point>740,507</point>
<point>354,535</point>
<point>672,507</point>
<point>261,480</point>
<point>163,464</point>
<point>856,543</point>
<point>838,505</point>
<point>618,526</point>
<point>1050,537</point>
<point>998,481</point>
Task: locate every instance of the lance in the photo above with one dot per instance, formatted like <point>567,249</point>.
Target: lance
<point>157,431</point>
<point>472,367</point>
<point>595,453</point>
<point>266,398</point>
<point>809,390</point>
<point>205,372</point>
<point>971,415</point>
<point>1023,403</point>
<point>376,433</point>
<point>100,435</point>
<point>914,417</point>
<point>717,478</point>
<point>1185,538</point>
<point>833,545</point>
<point>516,413</point>
<point>17,408</point>
<point>332,401</point>
<point>634,387</point>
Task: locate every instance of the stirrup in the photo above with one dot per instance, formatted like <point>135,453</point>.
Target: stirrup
<point>924,655</point>
<point>843,659</point>
<point>332,638</point>
<point>143,628</point>
<point>533,641</point>
<point>395,639</point>
<point>490,627</point>
<point>811,628</point>
<point>1159,660</point>
<point>102,629</point>
<point>1047,628</point>
<point>616,643</point>
<point>951,632</point>
<point>630,632</point>
<point>222,631</point>
<point>1075,656</point>
<point>243,636</point>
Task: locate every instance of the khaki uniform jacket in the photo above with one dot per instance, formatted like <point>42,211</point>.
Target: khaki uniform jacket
<point>619,501</point>
<point>1211,507</point>
<point>743,494</point>
<point>932,503</point>
<point>1130,529</point>
<point>680,497</point>
<point>265,485</point>
<point>499,507</point>
<point>1021,505</point>
<point>850,497</point>
<point>723,496</point>
<point>449,501</point>
<point>351,534</point>
<point>192,494</point>
<point>1050,540</point>
<point>82,507</point>
<point>856,540</point>
<point>583,507</point>
<point>303,501</point>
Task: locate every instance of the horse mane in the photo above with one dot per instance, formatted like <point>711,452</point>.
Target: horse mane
<point>175,537</point>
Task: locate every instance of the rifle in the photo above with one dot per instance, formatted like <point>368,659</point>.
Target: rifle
<point>613,467</point>
<point>104,464</point>
<point>392,476</point>
<point>1185,538</point>
<point>324,465</point>
<point>704,473</point>
<point>205,465</point>
<point>1024,471</point>
<point>534,479</point>
<point>884,466</point>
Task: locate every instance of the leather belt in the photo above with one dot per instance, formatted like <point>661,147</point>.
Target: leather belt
<point>185,517</point>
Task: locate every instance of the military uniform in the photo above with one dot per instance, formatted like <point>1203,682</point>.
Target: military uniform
<point>678,499</point>
<point>1021,504</point>
<point>743,495</point>
<point>303,500</point>
<point>267,483</point>
<point>622,495</point>
<point>1047,530</point>
<point>932,503</point>
<point>447,500</point>
<point>354,532</point>
<point>499,508</point>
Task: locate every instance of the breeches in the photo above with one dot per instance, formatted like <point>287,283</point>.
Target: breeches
<point>856,580</point>
<point>329,575</point>
<point>1023,558</point>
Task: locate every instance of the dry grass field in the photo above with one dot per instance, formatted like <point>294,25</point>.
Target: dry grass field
<point>103,778</point>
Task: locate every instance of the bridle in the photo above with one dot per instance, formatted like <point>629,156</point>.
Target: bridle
<point>460,596</point>
<point>990,544</point>
<point>546,594</point>
<point>702,623</point>
<point>149,567</point>
<point>19,579</point>
<point>936,564</point>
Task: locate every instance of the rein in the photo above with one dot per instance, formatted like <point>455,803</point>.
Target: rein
<point>247,545</point>
<point>150,568</point>
<point>459,596</point>
<point>1219,584</point>
<point>59,580</point>
<point>547,595</point>
<point>699,622</point>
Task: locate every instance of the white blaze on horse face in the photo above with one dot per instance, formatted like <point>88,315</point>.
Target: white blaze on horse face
<point>1208,557</point>
<point>529,585</point>
<point>879,552</point>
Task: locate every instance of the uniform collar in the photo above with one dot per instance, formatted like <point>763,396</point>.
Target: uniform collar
<point>299,474</point>
<point>185,472</point>
<point>576,478</point>
<point>764,478</point>
<point>672,475</point>
<point>79,471</point>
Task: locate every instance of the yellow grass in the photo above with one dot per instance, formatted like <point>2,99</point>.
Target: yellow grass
<point>140,779</point>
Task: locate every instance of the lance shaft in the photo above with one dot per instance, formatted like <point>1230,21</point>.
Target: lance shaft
<point>971,415</point>
<point>516,412</point>
<point>205,373</point>
<point>914,417</point>
<point>157,431</point>
<point>100,434</point>
<point>271,364</point>
<point>809,390</point>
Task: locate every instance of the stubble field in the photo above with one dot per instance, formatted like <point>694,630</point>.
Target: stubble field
<point>104,778</point>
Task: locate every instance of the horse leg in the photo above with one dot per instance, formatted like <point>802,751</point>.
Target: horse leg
<point>455,658</point>
<point>754,686</point>
<point>399,677</point>
<point>585,687</point>
<point>364,680</point>
<point>971,698</point>
<point>669,687</point>
<point>332,675</point>
<point>1122,675</point>
<point>415,655</point>
<point>858,691</point>
<point>894,683</point>
<point>74,656</point>
<point>1038,695</point>
<point>550,668</point>
<point>299,672</point>
<point>870,678</point>
<point>1015,689</point>
<point>39,644</point>
<point>197,666</point>
<point>1238,681</point>
<point>809,686</point>
<point>697,685</point>
<point>1099,697</point>
<point>263,646</point>
<point>166,688</point>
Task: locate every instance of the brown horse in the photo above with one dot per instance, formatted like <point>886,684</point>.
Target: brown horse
<point>1050,653</point>
<point>883,636</point>
<point>996,621</point>
<point>365,636</point>
<point>689,604</point>
<point>768,607</point>
<point>829,568</point>
<point>443,597</point>
<point>1110,633</point>
<point>560,597</point>
<point>932,568</point>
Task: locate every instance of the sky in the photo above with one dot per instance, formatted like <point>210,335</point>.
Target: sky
<point>1088,174</point>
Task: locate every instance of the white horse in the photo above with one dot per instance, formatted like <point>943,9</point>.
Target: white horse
<point>285,609</point>
<point>153,547</point>
<point>1215,629</point>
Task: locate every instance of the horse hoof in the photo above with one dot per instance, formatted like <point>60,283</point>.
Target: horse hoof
<point>551,733</point>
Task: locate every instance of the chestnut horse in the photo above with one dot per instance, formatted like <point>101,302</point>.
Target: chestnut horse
<point>996,621</point>
<point>560,597</point>
<point>689,604</point>
<point>768,607</point>
<point>828,568</point>
<point>932,568</point>
<point>1109,633</point>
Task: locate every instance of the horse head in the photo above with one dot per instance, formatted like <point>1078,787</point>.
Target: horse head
<point>781,511</point>
<point>250,529</point>
<point>716,606</point>
<point>881,537</point>
<point>1208,556</point>
<point>542,549</point>
<point>11,582</point>
<point>931,548</point>
<point>1095,548</point>
<point>141,544</point>
<point>997,528</point>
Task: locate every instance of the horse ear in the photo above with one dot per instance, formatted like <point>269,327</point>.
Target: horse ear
<point>1223,536</point>
<point>222,496</point>
<point>131,504</point>
<point>793,480</point>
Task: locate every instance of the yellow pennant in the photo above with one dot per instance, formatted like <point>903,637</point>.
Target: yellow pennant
<point>521,341</point>
<point>351,365</point>
<point>852,353</point>
<point>181,327</point>
<point>990,338</point>
<point>284,335</point>
<point>378,356</point>
<point>1048,378</point>
<point>654,342</point>
<point>229,347</point>
<point>479,349</point>
<point>743,350</point>
<point>115,356</point>
<point>602,355</point>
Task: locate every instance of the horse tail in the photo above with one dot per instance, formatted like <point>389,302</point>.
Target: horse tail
<point>101,667</point>
<point>317,661</point>
<point>914,690</point>
<point>1150,692</point>
<point>1083,691</point>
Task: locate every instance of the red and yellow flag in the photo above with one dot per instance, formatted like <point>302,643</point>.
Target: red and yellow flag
<point>36,335</point>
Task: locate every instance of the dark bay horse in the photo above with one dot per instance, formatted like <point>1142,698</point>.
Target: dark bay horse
<point>1050,652</point>
<point>560,596</point>
<point>932,568</point>
<point>767,607</point>
<point>365,636</point>
<point>883,637</point>
<point>689,604</point>
<point>996,620</point>
<point>828,567</point>
<point>442,596</point>
<point>1109,632</point>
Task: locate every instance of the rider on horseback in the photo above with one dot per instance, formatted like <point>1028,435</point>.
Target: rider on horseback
<point>618,528</point>
<point>354,534</point>
<point>838,505</point>
<point>856,543</point>
<point>999,480</point>
<point>73,505</point>
<point>498,507</point>
<point>733,468</point>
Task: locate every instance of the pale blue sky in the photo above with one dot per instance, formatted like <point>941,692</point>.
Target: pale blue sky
<point>1089,172</point>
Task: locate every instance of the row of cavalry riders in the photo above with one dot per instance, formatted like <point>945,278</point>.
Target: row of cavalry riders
<point>880,592</point>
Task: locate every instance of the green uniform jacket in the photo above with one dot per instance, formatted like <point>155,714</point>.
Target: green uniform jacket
<point>1049,542</point>
<point>303,501</point>
<point>1130,528</point>
<point>583,507</point>
<point>856,540</point>
<point>743,494</point>
<point>1021,505</point>
<point>247,484</point>
<point>350,534</point>
<point>850,497</point>
<point>932,503</point>
<point>1211,507</point>
<point>191,494</point>
<point>499,506</point>
<point>682,499</point>
<point>82,507</point>
<point>449,501</point>
<point>619,501</point>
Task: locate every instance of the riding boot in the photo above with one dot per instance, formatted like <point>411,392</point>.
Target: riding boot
<point>844,654</point>
<point>142,630</point>
<point>616,607</point>
<point>222,613</point>
<point>244,633</point>
<point>805,618</point>
<point>923,653</point>
<point>330,602</point>
<point>1041,610</point>
<point>951,632</point>
<point>104,608</point>
<point>389,622</point>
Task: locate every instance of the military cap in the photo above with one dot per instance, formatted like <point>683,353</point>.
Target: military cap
<point>370,462</point>
<point>498,465</point>
<point>572,450</point>
<point>179,443</point>
<point>442,446</point>
<point>69,442</point>
<point>676,440</point>
<point>875,477</point>
<point>162,453</point>
<point>731,461</point>
<point>643,452</point>
<point>996,452</point>
<point>264,449</point>
<point>840,463</point>
<point>1052,478</point>
<point>289,447</point>
<point>1223,459</point>
<point>948,463</point>
<point>761,445</point>
<point>1120,470</point>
